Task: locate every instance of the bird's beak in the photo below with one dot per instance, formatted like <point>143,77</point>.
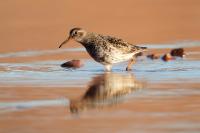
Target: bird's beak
<point>65,42</point>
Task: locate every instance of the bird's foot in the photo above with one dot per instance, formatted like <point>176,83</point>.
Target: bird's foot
<point>128,69</point>
<point>108,68</point>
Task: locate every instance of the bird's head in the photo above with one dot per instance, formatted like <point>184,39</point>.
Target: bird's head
<point>77,34</point>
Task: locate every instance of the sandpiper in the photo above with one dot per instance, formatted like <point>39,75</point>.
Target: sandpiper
<point>106,50</point>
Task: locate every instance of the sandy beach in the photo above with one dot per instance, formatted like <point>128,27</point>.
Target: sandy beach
<point>34,25</point>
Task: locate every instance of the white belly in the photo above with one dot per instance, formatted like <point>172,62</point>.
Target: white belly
<point>119,57</point>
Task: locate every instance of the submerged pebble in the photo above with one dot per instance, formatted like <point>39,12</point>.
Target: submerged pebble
<point>72,64</point>
<point>153,56</point>
<point>167,57</point>
<point>139,54</point>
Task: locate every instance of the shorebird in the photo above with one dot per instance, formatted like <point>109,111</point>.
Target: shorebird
<point>106,50</point>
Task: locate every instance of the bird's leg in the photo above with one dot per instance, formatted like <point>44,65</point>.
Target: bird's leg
<point>108,68</point>
<point>130,63</point>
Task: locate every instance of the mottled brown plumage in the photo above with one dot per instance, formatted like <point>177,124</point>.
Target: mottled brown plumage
<point>106,50</point>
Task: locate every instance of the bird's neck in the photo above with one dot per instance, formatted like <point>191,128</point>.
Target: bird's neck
<point>88,39</point>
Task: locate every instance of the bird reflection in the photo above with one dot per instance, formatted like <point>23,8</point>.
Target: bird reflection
<point>105,90</point>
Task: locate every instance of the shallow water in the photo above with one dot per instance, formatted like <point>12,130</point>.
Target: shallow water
<point>156,96</point>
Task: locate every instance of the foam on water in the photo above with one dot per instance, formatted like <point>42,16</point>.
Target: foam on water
<point>6,107</point>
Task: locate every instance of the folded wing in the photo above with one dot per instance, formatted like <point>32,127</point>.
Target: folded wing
<point>123,45</point>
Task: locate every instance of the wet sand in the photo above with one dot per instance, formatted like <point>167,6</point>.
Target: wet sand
<point>37,95</point>
<point>157,96</point>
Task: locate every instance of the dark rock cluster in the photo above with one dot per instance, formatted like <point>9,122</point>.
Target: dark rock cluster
<point>178,52</point>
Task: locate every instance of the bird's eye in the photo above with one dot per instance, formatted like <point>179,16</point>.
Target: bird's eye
<point>75,33</point>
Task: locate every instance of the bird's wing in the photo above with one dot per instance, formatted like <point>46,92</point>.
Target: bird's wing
<point>123,45</point>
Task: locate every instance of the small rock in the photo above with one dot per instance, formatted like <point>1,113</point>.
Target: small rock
<point>139,54</point>
<point>72,64</point>
<point>153,56</point>
<point>178,52</point>
<point>167,57</point>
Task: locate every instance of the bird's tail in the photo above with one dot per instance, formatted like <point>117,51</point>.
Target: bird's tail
<point>143,48</point>
<point>140,50</point>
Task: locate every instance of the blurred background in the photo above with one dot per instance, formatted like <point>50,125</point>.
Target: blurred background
<point>44,24</point>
